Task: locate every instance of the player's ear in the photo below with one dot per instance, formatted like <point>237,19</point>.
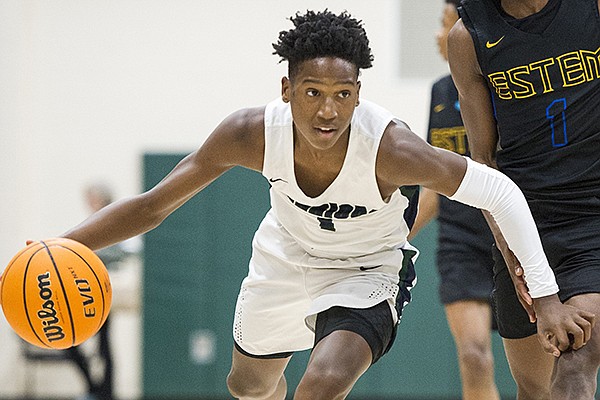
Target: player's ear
<point>285,89</point>
<point>358,84</point>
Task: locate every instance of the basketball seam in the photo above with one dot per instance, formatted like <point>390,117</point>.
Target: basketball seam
<point>62,286</point>
<point>25,299</point>
<point>7,269</point>
<point>97,279</point>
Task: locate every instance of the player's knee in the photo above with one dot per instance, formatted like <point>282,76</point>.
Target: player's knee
<point>476,358</point>
<point>592,354</point>
<point>583,362</point>
<point>328,383</point>
<point>245,388</point>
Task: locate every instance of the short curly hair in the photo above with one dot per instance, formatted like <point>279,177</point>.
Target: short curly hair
<point>324,34</point>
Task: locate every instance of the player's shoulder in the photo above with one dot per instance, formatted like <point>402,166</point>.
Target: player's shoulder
<point>403,157</point>
<point>245,123</point>
<point>459,32</point>
<point>247,117</point>
<point>399,142</point>
<point>371,119</point>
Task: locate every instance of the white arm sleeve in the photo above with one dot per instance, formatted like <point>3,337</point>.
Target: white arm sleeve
<point>486,188</point>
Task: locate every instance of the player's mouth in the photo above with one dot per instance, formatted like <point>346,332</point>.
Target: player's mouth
<point>325,131</point>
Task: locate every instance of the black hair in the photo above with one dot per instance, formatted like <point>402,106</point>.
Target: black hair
<point>455,3</point>
<point>324,34</point>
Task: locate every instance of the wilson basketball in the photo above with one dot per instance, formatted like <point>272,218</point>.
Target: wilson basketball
<point>56,293</point>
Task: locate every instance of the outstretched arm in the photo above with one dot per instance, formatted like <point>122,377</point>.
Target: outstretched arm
<point>238,140</point>
<point>405,159</point>
<point>478,117</point>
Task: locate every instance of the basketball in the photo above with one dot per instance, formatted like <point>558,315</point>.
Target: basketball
<point>56,293</point>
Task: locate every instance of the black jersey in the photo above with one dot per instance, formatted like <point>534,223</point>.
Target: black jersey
<point>462,229</point>
<point>545,88</point>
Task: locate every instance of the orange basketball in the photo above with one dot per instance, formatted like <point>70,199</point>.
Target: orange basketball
<point>56,293</point>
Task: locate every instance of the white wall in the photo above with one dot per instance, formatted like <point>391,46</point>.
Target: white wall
<point>86,87</point>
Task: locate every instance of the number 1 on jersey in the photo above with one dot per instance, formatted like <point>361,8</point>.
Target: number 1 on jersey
<point>555,113</point>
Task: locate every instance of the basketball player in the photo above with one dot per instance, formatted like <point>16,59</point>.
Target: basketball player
<point>464,257</point>
<point>528,77</point>
<point>331,268</point>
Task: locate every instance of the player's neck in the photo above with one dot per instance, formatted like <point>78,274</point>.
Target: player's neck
<point>522,8</point>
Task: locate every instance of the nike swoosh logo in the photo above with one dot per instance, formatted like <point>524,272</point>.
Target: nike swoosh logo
<point>489,44</point>
<point>368,268</point>
<point>277,180</point>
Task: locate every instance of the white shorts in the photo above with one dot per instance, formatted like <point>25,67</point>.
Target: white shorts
<point>286,288</point>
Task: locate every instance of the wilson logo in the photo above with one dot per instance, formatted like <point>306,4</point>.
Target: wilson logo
<point>52,329</point>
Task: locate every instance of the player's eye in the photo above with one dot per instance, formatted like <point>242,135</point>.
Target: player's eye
<point>312,92</point>
<point>345,94</point>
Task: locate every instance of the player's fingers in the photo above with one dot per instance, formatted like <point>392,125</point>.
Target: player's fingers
<point>577,337</point>
<point>28,242</point>
<point>518,270</point>
<point>529,309</point>
<point>586,323</point>
<point>548,342</point>
<point>563,340</point>
<point>524,294</point>
<point>531,314</point>
<point>588,316</point>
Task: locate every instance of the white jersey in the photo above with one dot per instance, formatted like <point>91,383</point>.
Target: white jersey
<point>349,220</point>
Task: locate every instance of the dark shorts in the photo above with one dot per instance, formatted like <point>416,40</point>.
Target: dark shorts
<point>465,279</point>
<point>374,324</point>
<point>570,233</point>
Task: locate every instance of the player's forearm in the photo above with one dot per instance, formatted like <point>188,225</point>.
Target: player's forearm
<point>117,222</point>
<point>488,189</point>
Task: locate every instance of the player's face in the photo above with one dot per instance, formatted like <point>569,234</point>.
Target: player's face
<point>322,96</point>
<point>449,18</point>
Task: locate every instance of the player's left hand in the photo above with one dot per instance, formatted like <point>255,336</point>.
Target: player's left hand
<point>562,327</point>
<point>516,274</point>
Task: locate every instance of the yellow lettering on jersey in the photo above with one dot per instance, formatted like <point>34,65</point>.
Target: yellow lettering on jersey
<point>590,61</point>
<point>500,83</point>
<point>453,139</point>
<point>527,87</point>
<point>571,69</point>
<point>521,81</point>
<point>542,67</point>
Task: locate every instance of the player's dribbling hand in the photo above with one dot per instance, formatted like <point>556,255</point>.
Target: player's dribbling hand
<point>562,327</point>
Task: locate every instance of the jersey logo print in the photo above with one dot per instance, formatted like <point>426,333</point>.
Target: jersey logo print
<point>327,213</point>
<point>439,108</point>
<point>273,180</point>
<point>368,268</point>
<point>489,44</point>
